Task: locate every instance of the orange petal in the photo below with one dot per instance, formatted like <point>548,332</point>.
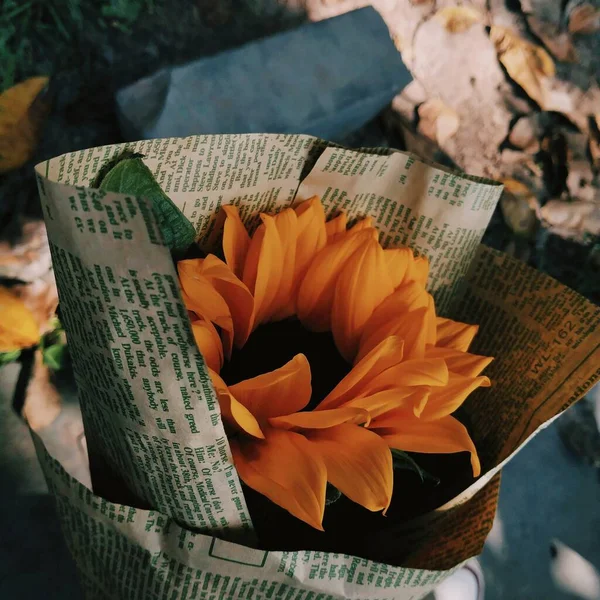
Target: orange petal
<point>445,400</point>
<point>453,334</point>
<point>201,297</point>
<point>264,267</point>
<point>286,223</point>
<point>431,322</point>
<point>234,413</point>
<point>236,295</point>
<point>411,373</point>
<point>18,327</point>
<point>463,363</point>
<point>336,226</point>
<point>209,343</point>
<point>281,392</point>
<point>398,262</point>
<point>364,223</point>
<point>312,236</point>
<point>315,295</point>
<point>358,463</point>
<point>382,402</point>
<point>381,358</point>
<point>418,270</point>
<point>284,468</point>
<point>321,419</point>
<point>410,327</point>
<point>406,298</point>
<point>444,436</point>
<point>236,240</point>
<point>361,287</point>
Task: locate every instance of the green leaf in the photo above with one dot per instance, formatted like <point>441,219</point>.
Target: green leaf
<point>56,336</point>
<point>56,356</point>
<point>127,174</point>
<point>404,461</point>
<point>8,357</point>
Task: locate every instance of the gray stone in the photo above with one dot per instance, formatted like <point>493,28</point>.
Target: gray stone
<point>325,79</point>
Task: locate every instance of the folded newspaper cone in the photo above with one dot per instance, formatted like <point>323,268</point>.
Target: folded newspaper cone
<point>177,525</point>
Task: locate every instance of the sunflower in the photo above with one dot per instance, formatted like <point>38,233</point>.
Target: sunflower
<point>407,370</point>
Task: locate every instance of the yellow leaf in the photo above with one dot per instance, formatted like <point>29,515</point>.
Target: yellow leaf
<point>18,327</point>
<point>457,19</point>
<point>525,62</point>
<point>20,120</point>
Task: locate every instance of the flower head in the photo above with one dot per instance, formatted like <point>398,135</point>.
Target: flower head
<point>409,370</point>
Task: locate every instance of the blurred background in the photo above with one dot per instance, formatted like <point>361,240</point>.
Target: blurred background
<point>506,89</point>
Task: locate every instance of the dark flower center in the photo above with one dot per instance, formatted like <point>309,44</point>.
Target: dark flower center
<point>274,344</point>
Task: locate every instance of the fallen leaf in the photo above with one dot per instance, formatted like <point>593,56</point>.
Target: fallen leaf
<point>42,401</point>
<point>28,258</point>
<point>558,42</point>
<point>527,6</point>
<point>578,220</point>
<point>9,357</point>
<point>397,125</point>
<point>457,19</point>
<point>21,117</point>
<point>579,180</point>
<point>595,152</point>
<point>584,18</point>
<point>437,120</point>
<point>41,298</point>
<point>523,134</point>
<point>526,63</point>
<point>518,204</point>
<point>398,42</point>
<point>594,125</point>
<point>18,327</point>
<point>414,92</point>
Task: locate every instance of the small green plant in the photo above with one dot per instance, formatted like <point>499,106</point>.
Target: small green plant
<point>37,34</point>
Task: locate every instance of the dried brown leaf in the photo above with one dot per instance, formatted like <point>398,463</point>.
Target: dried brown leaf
<point>579,180</point>
<point>518,204</point>
<point>399,42</point>
<point>42,400</point>
<point>558,42</point>
<point>576,220</point>
<point>594,143</point>
<point>584,18</point>
<point>28,258</point>
<point>525,62</point>
<point>21,116</point>
<point>457,19</point>
<point>595,152</point>
<point>437,120</point>
<point>412,141</point>
<point>523,135</point>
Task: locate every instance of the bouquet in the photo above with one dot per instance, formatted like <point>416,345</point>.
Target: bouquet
<point>283,351</point>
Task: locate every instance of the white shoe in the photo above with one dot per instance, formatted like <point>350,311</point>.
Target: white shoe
<point>466,584</point>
